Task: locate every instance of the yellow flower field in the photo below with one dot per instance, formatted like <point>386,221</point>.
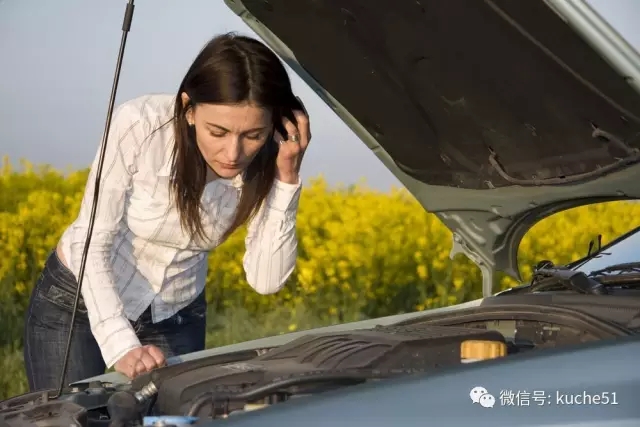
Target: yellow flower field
<point>359,250</point>
<point>362,253</point>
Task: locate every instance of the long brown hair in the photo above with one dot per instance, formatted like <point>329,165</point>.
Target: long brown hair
<point>230,69</point>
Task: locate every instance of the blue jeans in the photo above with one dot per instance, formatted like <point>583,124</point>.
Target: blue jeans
<point>47,330</point>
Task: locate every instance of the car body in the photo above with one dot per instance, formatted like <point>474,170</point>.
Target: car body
<point>494,115</point>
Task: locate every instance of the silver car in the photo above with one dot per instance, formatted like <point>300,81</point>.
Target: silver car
<point>494,114</point>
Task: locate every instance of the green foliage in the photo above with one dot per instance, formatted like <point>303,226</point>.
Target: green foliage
<point>362,254</point>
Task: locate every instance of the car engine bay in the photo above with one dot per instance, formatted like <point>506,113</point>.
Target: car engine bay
<point>220,386</point>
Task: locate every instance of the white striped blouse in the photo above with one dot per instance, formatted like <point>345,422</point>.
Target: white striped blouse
<point>139,256</point>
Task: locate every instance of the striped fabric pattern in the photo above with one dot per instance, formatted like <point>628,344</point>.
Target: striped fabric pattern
<point>139,256</point>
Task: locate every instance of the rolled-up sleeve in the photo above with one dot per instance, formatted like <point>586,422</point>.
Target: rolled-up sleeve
<point>271,242</point>
<point>111,328</point>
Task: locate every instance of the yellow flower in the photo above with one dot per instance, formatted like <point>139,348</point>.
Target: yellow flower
<point>361,251</point>
<point>422,271</point>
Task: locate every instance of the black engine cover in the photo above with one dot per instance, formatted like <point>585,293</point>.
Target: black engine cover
<point>405,349</point>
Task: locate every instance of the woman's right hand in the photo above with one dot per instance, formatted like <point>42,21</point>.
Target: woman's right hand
<point>140,360</point>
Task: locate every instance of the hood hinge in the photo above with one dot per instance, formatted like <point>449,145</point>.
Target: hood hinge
<point>460,245</point>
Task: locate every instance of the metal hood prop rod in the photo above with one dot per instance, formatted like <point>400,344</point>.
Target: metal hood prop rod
<point>126,26</point>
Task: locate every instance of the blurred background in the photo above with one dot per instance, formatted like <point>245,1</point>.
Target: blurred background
<point>367,249</point>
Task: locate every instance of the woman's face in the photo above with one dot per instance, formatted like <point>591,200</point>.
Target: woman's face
<point>229,136</point>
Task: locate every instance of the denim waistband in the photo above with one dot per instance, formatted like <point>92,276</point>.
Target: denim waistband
<point>58,284</point>
<point>59,273</point>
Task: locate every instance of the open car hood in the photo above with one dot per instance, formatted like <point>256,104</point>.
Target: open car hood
<point>494,114</point>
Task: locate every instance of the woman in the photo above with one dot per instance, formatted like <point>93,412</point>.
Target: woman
<point>181,173</point>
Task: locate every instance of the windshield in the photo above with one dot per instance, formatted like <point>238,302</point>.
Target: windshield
<point>622,251</point>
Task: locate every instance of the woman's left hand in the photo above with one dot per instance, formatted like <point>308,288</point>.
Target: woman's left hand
<point>292,150</point>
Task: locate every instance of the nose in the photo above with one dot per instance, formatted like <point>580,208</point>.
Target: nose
<point>233,150</point>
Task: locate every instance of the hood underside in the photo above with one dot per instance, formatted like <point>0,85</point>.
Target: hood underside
<point>494,114</point>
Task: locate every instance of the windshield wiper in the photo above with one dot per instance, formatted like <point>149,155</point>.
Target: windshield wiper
<point>594,251</point>
<point>550,276</point>
<point>547,277</point>
<point>627,267</point>
<point>595,246</point>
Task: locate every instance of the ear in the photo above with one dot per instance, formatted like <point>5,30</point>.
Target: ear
<point>186,105</point>
<point>185,99</point>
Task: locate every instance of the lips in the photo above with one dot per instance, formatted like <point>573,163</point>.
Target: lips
<point>229,165</point>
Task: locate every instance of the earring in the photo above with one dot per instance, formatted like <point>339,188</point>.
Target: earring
<point>186,117</point>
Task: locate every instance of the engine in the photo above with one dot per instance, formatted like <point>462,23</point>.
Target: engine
<point>316,363</point>
<point>232,383</point>
<point>217,388</point>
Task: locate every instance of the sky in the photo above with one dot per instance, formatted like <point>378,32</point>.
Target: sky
<point>58,58</point>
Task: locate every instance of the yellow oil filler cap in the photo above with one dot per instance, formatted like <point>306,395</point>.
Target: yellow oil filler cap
<point>474,350</point>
